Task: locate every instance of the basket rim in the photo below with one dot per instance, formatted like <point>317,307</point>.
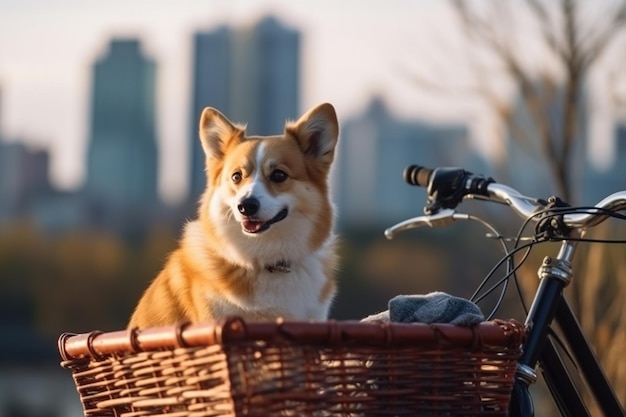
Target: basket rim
<point>96,344</point>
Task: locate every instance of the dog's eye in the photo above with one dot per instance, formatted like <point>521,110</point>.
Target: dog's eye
<point>236,177</point>
<point>278,176</point>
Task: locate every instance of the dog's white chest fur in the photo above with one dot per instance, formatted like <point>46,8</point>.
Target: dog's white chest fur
<point>298,293</point>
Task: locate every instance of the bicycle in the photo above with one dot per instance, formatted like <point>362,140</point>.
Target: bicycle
<point>554,221</point>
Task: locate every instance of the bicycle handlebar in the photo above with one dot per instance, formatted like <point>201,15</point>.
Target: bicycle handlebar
<point>447,187</point>
<point>614,202</point>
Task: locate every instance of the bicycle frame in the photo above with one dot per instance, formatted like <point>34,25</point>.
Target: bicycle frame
<point>550,306</point>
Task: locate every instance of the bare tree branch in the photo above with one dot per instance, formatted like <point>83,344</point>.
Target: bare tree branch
<point>528,90</point>
<point>599,44</point>
<point>545,24</point>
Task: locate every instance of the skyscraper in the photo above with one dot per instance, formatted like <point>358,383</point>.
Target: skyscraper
<point>211,78</point>
<point>599,182</point>
<point>527,164</point>
<point>266,82</point>
<point>252,75</point>
<point>122,155</point>
<point>23,177</point>
<point>374,149</point>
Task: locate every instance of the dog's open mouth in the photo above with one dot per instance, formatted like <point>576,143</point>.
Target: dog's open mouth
<point>257,226</point>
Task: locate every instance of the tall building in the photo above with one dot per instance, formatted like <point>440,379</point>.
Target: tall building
<point>211,80</point>
<point>252,75</point>
<point>122,154</point>
<point>266,82</point>
<point>526,166</point>
<point>374,149</point>
<point>23,177</point>
<point>611,177</point>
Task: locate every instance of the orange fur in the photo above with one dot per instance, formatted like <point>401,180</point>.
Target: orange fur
<point>266,209</point>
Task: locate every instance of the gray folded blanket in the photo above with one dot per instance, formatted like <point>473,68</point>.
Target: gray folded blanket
<point>436,307</point>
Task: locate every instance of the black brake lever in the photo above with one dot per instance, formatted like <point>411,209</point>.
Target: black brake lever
<point>448,186</point>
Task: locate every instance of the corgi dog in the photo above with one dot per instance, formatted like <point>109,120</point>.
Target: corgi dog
<point>262,246</point>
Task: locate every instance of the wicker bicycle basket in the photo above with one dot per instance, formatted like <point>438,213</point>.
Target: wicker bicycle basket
<point>333,368</point>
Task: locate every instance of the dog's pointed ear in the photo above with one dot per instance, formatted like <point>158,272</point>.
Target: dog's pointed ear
<point>216,132</point>
<point>317,133</point>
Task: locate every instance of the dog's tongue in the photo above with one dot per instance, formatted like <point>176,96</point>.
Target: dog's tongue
<point>252,226</point>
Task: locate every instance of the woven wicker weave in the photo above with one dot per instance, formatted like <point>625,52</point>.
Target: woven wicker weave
<point>330,368</point>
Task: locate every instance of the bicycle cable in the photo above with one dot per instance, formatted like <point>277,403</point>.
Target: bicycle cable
<point>504,280</point>
<point>506,252</point>
<point>538,238</point>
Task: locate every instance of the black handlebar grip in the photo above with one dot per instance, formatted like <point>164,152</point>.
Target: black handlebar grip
<point>417,175</point>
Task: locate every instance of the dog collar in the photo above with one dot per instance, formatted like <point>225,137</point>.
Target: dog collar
<point>280,266</point>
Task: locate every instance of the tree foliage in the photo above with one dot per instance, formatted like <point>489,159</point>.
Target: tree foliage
<point>76,281</point>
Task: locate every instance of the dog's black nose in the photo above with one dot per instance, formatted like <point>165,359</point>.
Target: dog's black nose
<point>248,206</point>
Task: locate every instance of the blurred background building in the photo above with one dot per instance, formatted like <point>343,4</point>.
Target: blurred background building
<point>121,181</point>
<point>24,178</point>
<point>211,86</point>
<point>252,75</point>
<point>599,181</point>
<point>374,149</point>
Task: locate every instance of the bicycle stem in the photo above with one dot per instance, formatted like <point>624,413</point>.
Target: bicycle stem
<point>554,274</point>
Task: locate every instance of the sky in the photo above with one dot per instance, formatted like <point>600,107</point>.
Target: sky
<point>351,50</point>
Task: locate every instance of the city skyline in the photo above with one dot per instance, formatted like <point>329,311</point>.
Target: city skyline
<point>344,62</point>
<point>352,51</point>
